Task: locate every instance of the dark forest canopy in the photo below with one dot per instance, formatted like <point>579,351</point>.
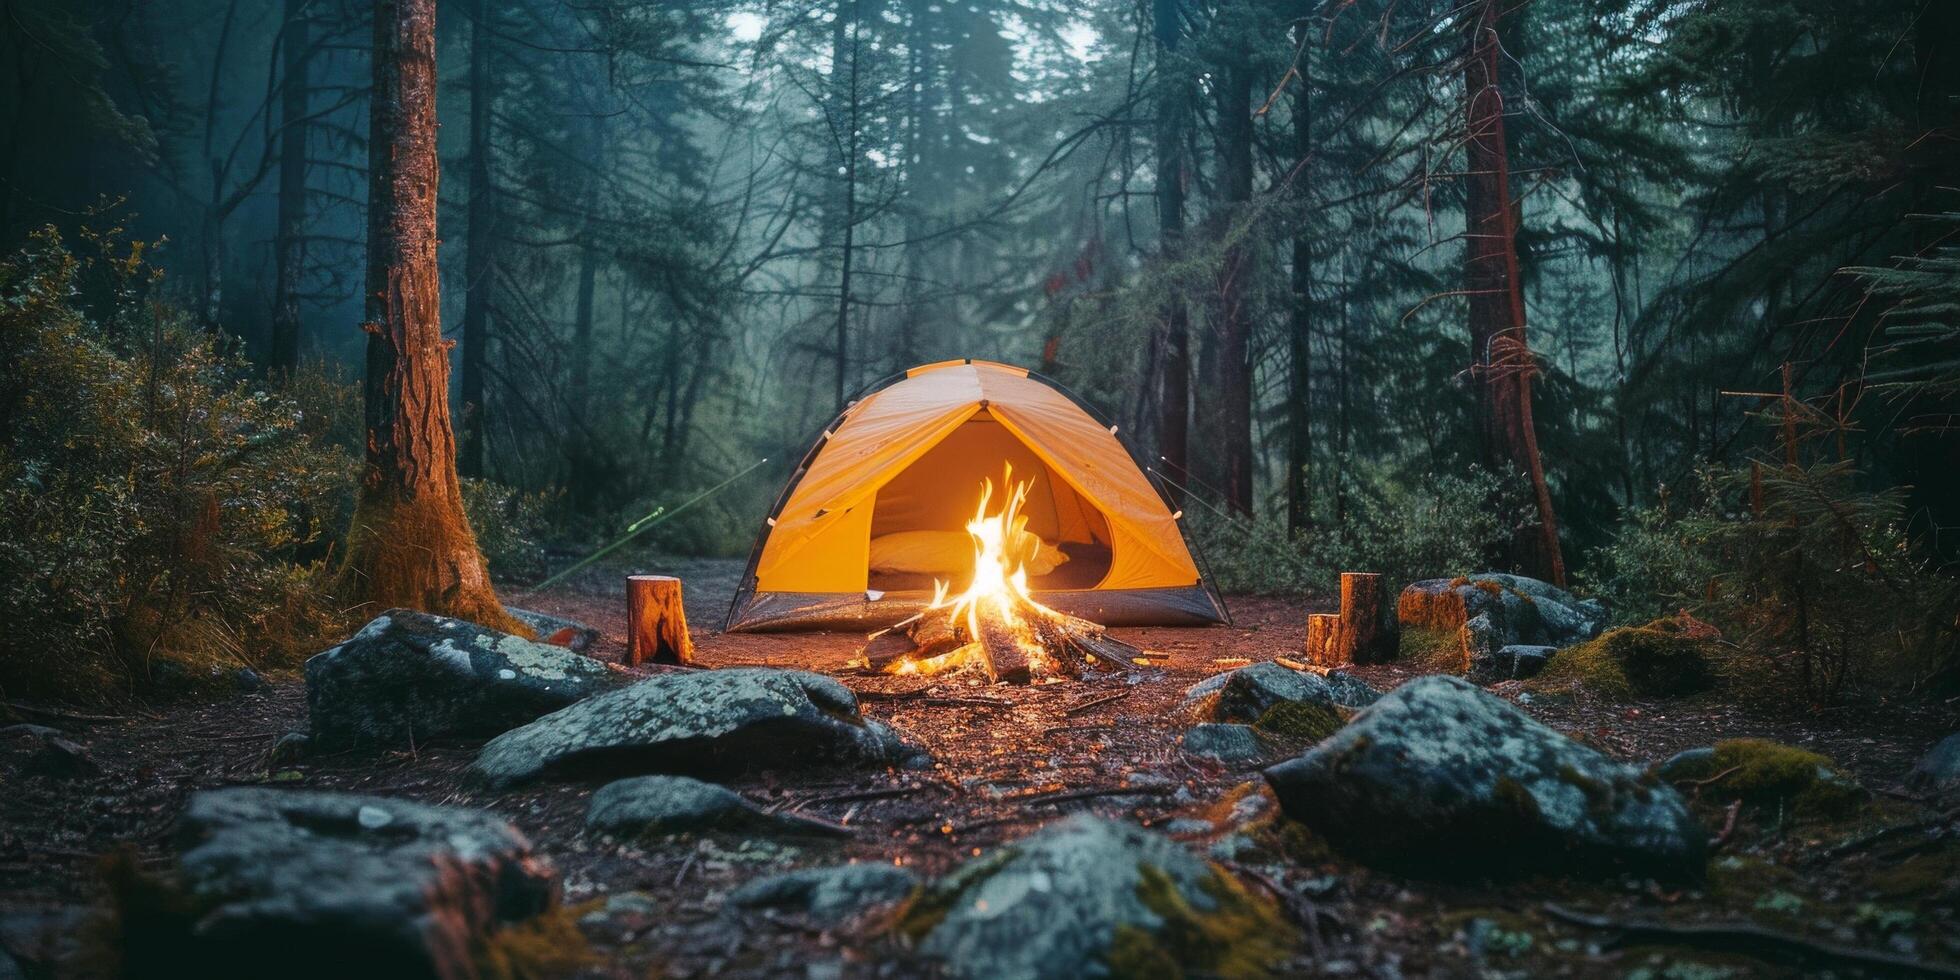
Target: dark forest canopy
<point>675,236</point>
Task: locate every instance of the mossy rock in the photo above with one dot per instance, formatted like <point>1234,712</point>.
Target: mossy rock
<point>1301,720</point>
<point>1240,935</point>
<point>1093,897</point>
<point>1664,658</point>
<point>1771,776</point>
<point>1432,650</point>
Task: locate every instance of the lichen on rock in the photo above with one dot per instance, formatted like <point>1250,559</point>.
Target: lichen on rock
<point>1090,897</point>
<point>1443,779</point>
<point>409,676</point>
<point>700,721</point>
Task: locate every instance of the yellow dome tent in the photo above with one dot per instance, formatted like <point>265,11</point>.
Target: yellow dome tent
<point>877,509</point>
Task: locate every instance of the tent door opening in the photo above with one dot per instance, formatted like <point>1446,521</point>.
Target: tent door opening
<point>919,518</point>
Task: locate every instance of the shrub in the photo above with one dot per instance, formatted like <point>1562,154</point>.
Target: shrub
<point>1814,574</point>
<point>1438,525</point>
<point>508,525</point>
<point>153,503</point>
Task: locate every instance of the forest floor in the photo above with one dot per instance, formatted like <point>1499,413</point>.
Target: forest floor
<point>1010,759</point>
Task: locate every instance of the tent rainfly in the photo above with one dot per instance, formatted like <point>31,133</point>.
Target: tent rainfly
<point>875,514</point>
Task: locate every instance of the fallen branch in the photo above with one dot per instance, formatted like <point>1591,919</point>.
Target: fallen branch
<point>1095,703</point>
<point>1752,940</point>
<point>56,713</point>
<point>866,794</point>
<point>1882,834</point>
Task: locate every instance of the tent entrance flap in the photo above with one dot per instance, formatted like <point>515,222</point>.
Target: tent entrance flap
<point>940,492</point>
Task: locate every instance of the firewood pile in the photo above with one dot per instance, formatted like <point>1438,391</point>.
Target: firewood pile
<point>1028,642</point>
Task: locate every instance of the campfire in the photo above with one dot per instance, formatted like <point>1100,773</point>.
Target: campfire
<point>995,625</point>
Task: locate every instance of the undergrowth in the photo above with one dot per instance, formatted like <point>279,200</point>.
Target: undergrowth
<point>157,506</point>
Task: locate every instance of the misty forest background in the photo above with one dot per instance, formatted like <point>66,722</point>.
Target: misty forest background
<point>677,236</point>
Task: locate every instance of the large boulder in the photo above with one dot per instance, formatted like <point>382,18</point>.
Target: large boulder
<point>649,805</point>
<point>408,676</point>
<point>1090,897</point>
<point>1490,611</point>
<point>1443,779</point>
<point>828,896</point>
<point>1246,694</point>
<point>1938,772</point>
<point>289,881</point>
<point>698,721</point>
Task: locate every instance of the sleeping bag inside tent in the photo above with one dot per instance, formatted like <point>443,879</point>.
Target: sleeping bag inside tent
<point>877,510</point>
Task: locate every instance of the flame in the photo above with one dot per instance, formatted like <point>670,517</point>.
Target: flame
<point>998,592</point>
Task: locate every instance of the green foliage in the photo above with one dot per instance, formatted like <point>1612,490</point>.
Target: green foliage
<point>153,502</point>
<point>1803,565</point>
<point>1655,563</point>
<point>509,525</point>
<point>1424,526</point>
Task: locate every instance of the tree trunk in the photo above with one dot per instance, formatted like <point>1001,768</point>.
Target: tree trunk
<point>845,97</point>
<point>1234,287</point>
<point>1174,361</point>
<point>1501,362</point>
<point>288,244</point>
<point>410,544</point>
<point>1299,333</point>
<point>480,245</point>
<point>588,279</point>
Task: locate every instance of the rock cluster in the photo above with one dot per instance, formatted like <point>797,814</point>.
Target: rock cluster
<point>1443,779</point>
<point>408,676</point>
<point>1490,612</point>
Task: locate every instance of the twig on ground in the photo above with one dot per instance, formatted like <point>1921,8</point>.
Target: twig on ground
<point>1095,703</point>
<point>1877,836</point>
<point>56,713</point>
<point>1061,729</point>
<point>1074,795</point>
<point>1752,940</point>
<point>1728,828</point>
<point>1710,781</point>
<point>864,794</point>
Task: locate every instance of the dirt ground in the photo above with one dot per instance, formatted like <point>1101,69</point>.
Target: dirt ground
<point>1010,759</point>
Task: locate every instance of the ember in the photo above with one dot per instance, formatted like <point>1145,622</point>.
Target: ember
<point>996,624</point>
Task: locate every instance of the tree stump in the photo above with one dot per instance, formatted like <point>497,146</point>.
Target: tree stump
<point>656,625</point>
<point>1364,632</point>
<point>1321,630</point>
<point>1369,631</point>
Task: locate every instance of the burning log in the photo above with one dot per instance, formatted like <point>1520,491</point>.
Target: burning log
<point>996,623</point>
<point>1039,642</point>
